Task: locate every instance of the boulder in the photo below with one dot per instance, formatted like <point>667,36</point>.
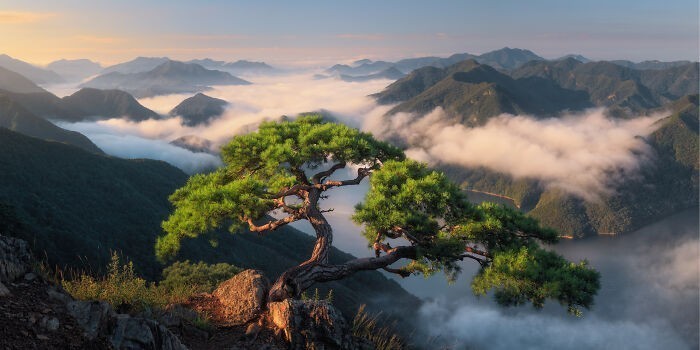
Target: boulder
<point>93,316</point>
<point>311,324</point>
<point>122,331</point>
<point>242,297</point>
<point>15,258</point>
<point>140,333</point>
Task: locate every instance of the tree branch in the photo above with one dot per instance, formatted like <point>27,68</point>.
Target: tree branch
<point>294,190</point>
<point>476,251</point>
<point>272,225</point>
<point>481,261</point>
<point>400,272</point>
<point>361,174</point>
<point>319,177</point>
<point>300,175</point>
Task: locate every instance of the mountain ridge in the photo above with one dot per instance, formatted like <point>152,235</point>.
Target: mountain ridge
<point>167,78</point>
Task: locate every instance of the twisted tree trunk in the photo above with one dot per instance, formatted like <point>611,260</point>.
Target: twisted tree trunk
<point>316,269</point>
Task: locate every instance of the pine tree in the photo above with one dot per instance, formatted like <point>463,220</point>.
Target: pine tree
<point>412,215</point>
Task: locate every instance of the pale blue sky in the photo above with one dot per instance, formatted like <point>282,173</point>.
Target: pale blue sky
<point>325,31</point>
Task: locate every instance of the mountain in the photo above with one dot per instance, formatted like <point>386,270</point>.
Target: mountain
<point>243,67</point>
<point>612,85</point>
<point>15,117</point>
<point>472,93</point>
<point>650,64</point>
<point>15,82</point>
<point>366,68</point>
<point>76,207</point>
<point>35,74</point>
<point>579,58</point>
<point>390,73</point>
<point>666,185</point>
<point>208,63</point>
<point>410,64</point>
<point>75,70</point>
<point>137,65</point>
<point>199,109</point>
<point>89,103</point>
<point>83,104</point>
<point>504,59</point>
<point>411,86</point>
<point>193,143</point>
<point>238,67</point>
<point>167,78</point>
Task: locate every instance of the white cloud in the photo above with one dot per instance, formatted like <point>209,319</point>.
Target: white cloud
<point>132,147</point>
<point>490,328</point>
<point>583,154</point>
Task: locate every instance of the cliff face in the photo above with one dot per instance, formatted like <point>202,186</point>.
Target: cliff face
<point>36,313</point>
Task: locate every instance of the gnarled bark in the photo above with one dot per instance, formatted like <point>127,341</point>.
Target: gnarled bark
<point>316,269</point>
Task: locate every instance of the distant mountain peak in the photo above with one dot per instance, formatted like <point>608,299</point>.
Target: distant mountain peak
<point>168,77</point>
<point>199,109</point>
<point>106,104</point>
<point>36,74</point>
<point>194,143</point>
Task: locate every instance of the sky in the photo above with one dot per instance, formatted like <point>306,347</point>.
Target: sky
<point>322,32</point>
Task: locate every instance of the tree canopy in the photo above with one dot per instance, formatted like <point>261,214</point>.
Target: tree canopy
<point>411,213</point>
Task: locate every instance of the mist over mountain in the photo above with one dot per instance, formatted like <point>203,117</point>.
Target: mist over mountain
<point>618,176</point>
<point>15,82</point>
<point>75,70</point>
<point>503,59</point>
<point>361,67</point>
<point>612,85</point>
<point>472,93</point>
<point>54,195</point>
<point>526,133</point>
<point>85,103</point>
<point>475,92</point>
<point>15,117</point>
<point>248,67</point>
<point>208,63</point>
<point>238,67</point>
<point>193,143</point>
<point>199,109</point>
<point>167,78</point>
<point>89,103</point>
<point>390,73</point>
<point>35,74</point>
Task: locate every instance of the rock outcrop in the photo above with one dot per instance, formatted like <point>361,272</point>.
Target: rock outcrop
<point>15,258</point>
<point>311,324</point>
<point>122,331</point>
<point>35,313</point>
<point>242,297</point>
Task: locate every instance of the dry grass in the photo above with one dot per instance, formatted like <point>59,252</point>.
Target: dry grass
<point>125,290</point>
<point>368,327</point>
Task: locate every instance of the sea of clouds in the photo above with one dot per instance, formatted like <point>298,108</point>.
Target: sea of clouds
<point>646,292</point>
<point>584,153</point>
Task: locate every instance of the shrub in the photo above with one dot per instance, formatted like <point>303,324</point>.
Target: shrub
<point>124,290</point>
<point>201,277</point>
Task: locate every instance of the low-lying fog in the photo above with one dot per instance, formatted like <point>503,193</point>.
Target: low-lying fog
<point>649,296</point>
